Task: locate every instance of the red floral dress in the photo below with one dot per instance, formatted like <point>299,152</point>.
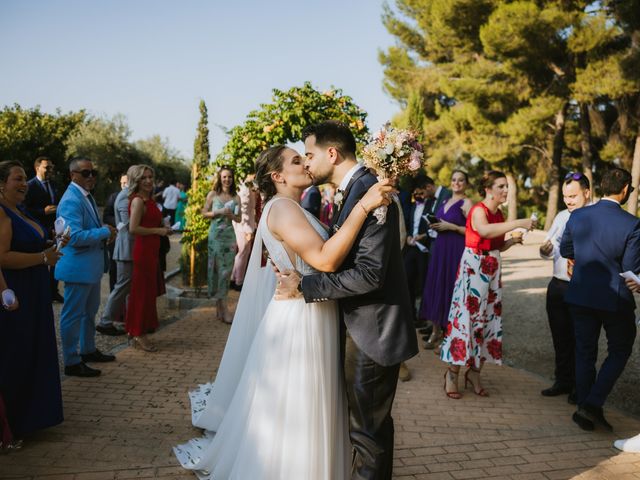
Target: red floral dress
<point>474,328</point>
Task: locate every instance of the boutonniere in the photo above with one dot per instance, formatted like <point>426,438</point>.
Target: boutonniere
<point>337,198</point>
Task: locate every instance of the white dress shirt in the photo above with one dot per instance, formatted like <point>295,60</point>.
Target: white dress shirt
<point>170,195</point>
<point>349,175</point>
<point>554,236</point>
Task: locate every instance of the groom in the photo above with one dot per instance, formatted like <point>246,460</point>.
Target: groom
<point>371,287</point>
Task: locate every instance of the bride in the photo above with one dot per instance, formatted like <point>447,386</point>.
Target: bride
<point>277,409</point>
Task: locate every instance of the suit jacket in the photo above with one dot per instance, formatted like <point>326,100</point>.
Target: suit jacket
<point>109,214</point>
<point>123,248</point>
<point>85,257</point>
<point>37,198</point>
<point>312,200</point>
<point>370,285</point>
<point>442,196</point>
<point>423,224</point>
<point>604,241</point>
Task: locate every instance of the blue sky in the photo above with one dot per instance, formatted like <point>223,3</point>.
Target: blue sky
<point>154,60</point>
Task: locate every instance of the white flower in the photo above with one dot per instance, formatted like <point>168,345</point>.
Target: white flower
<point>389,148</point>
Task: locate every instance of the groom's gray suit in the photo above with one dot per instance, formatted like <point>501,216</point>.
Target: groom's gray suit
<point>378,331</point>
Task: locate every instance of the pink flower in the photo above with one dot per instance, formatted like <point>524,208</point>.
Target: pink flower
<point>415,161</point>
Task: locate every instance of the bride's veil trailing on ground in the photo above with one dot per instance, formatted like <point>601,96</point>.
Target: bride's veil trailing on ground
<point>210,401</point>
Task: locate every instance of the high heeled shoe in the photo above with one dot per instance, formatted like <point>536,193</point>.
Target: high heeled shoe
<point>142,343</point>
<point>453,395</point>
<point>433,341</point>
<point>482,392</point>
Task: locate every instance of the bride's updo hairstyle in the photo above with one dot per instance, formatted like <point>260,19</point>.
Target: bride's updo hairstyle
<point>268,162</point>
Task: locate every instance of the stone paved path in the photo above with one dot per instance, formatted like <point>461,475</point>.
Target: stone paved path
<point>123,424</point>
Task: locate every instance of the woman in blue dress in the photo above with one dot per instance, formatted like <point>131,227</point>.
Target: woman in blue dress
<point>29,374</point>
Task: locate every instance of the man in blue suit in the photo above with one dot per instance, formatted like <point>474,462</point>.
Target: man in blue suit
<point>85,261</point>
<point>603,240</point>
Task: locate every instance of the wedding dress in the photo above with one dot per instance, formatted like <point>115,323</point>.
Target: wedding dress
<point>277,409</point>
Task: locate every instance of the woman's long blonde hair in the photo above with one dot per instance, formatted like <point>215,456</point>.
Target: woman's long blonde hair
<point>134,176</point>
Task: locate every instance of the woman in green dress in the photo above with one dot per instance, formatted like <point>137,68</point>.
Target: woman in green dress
<point>222,206</point>
<point>182,205</point>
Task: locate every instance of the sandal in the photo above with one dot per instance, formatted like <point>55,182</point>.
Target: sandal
<point>453,395</point>
<point>482,392</point>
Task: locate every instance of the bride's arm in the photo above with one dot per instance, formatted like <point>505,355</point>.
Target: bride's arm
<point>289,224</point>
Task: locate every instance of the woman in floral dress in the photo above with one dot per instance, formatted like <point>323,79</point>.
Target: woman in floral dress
<point>474,328</point>
<point>220,207</point>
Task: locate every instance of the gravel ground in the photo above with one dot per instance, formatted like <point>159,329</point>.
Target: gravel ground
<point>527,339</point>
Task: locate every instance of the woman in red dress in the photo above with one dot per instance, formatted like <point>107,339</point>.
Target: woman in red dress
<point>145,222</point>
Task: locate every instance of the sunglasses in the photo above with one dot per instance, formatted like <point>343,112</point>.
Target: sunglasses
<point>574,175</point>
<point>87,173</point>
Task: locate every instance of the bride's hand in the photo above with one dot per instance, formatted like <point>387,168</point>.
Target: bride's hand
<point>379,194</point>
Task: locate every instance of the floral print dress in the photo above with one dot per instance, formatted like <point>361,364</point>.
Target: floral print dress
<point>222,252</point>
<point>474,329</point>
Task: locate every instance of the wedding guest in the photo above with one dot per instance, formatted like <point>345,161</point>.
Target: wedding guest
<point>576,192</point>
<point>474,327</point>
<point>109,218</point>
<point>220,207</point>
<point>415,253</point>
<point>604,241</point>
<point>446,252</point>
<point>170,197</point>
<point>112,322</point>
<point>41,202</point>
<point>30,393</point>
<point>311,200</point>
<point>183,199</point>
<point>326,211</point>
<point>147,283</point>
<point>244,231</point>
<point>85,260</point>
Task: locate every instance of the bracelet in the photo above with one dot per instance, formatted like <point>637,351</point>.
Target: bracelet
<point>44,258</point>
<point>363,209</point>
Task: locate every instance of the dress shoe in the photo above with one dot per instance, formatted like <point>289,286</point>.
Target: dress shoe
<point>572,399</point>
<point>425,330</point>
<point>81,370</point>
<point>405,374</point>
<point>631,445</point>
<point>581,418</point>
<point>57,298</point>
<point>555,390</point>
<point>596,415</point>
<point>109,330</point>
<point>97,356</point>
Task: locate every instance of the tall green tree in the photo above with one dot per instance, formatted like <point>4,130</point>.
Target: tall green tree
<point>194,250</point>
<point>26,134</point>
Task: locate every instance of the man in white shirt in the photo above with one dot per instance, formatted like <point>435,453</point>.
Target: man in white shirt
<point>170,196</point>
<point>576,194</point>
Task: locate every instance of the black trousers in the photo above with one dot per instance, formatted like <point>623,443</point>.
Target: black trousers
<point>52,280</point>
<point>371,389</point>
<point>562,333</point>
<point>415,266</point>
<point>620,328</point>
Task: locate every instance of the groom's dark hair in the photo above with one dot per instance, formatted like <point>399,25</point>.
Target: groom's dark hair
<point>332,133</point>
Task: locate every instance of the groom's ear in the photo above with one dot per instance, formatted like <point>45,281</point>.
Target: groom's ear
<point>333,155</point>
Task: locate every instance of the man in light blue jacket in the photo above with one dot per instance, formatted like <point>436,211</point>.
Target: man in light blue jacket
<point>85,261</point>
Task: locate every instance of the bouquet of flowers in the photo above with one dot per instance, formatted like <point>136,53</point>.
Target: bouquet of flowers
<point>391,154</point>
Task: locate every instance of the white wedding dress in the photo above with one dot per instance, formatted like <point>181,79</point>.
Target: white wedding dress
<point>277,409</point>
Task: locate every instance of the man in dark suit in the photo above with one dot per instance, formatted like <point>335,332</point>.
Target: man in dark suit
<point>41,203</point>
<point>374,301</point>
<point>416,251</point>
<point>603,240</point>
<point>311,200</point>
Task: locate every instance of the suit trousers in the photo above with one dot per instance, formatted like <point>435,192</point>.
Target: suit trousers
<point>562,333</point>
<point>415,266</point>
<point>620,328</point>
<point>77,330</point>
<point>115,308</point>
<point>371,389</point>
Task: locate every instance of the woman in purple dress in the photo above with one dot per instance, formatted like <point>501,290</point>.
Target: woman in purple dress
<point>445,257</point>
